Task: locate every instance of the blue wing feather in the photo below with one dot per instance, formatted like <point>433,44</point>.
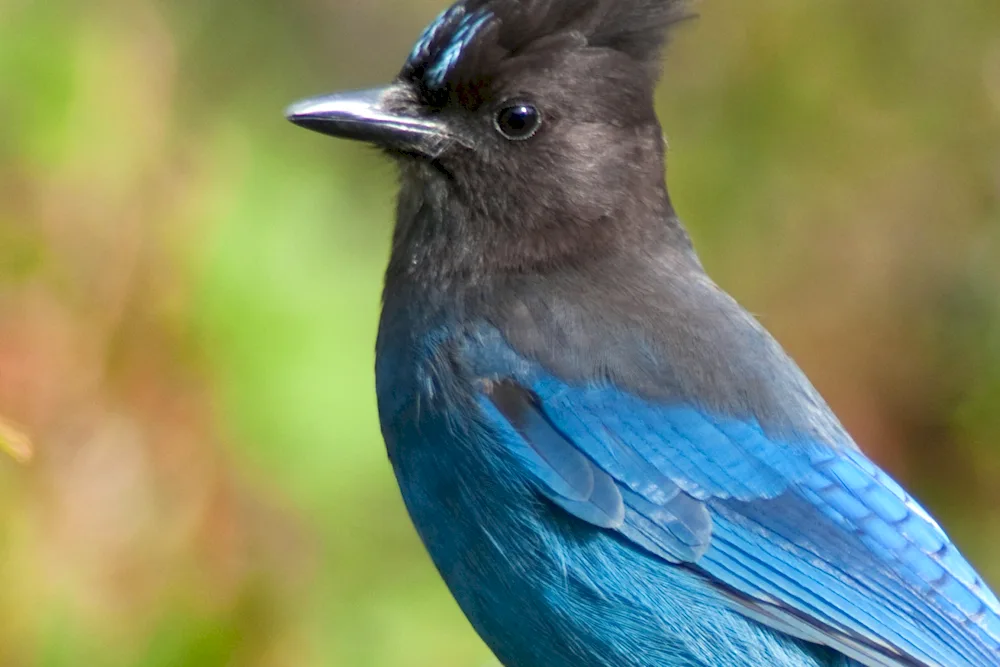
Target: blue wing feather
<point>803,533</point>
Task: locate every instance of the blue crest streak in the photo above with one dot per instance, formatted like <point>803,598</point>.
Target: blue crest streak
<point>450,52</point>
<point>421,50</point>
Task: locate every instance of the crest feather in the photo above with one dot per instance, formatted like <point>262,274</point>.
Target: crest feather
<point>472,36</point>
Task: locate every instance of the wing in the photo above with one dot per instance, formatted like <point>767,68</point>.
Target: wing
<point>805,535</point>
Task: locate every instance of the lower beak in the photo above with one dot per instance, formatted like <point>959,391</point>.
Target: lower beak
<point>365,116</point>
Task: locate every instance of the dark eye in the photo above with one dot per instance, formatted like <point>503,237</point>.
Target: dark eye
<point>518,121</point>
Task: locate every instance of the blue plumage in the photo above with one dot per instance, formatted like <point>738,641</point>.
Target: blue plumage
<point>805,536</point>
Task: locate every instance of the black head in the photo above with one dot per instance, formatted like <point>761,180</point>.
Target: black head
<point>525,129</point>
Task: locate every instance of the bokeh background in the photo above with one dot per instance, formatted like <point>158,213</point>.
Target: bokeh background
<point>189,293</point>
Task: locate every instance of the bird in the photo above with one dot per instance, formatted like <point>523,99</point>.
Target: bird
<point>609,461</point>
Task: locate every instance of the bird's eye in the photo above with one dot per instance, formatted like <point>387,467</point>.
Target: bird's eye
<point>518,121</point>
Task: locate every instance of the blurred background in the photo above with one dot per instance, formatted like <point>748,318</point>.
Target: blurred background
<point>189,293</point>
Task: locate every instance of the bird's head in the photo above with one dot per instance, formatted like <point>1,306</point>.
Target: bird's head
<point>525,128</point>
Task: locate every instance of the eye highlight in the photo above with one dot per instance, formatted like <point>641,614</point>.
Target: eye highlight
<point>518,121</point>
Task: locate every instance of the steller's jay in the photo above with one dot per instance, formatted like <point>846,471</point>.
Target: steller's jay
<point>610,462</point>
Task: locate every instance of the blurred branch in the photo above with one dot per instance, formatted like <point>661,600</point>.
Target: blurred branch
<point>15,442</point>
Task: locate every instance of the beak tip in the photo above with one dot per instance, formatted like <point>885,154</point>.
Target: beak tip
<point>294,111</point>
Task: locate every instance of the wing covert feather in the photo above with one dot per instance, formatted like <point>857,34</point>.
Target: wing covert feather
<point>802,533</point>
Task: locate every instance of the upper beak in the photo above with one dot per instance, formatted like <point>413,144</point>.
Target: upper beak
<point>366,116</point>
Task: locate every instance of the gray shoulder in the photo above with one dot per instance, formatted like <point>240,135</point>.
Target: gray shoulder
<point>663,329</point>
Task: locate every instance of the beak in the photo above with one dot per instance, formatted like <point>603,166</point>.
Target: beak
<point>366,116</point>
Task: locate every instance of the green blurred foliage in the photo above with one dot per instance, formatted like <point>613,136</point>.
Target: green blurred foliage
<point>189,293</point>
